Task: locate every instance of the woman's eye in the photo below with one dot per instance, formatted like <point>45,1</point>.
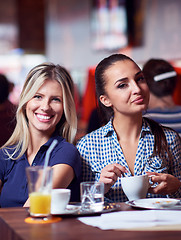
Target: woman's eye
<point>140,79</point>
<point>122,85</point>
<point>56,99</point>
<point>37,96</point>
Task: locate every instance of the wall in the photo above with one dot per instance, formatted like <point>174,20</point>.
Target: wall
<point>31,25</point>
<point>69,38</point>
<point>162,32</point>
<point>8,26</point>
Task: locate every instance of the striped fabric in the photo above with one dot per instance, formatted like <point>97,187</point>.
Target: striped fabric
<point>166,117</point>
<point>101,147</point>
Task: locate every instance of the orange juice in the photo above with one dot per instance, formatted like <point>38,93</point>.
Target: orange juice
<point>40,204</point>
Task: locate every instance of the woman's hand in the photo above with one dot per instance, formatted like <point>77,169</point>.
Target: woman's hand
<point>27,203</point>
<point>167,183</point>
<point>110,173</point>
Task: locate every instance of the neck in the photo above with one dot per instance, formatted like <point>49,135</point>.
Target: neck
<point>37,140</point>
<point>127,127</point>
<point>34,146</point>
<point>161,102</point>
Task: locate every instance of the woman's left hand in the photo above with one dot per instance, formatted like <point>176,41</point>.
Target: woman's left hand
<point>27,203</point>
<point>167,183</point>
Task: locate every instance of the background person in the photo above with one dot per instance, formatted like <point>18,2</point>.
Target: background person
<point>129,144</point>
<point>162,79</point>
<point>7,110</point>
<point>46,112</point>
<point>94,121</point>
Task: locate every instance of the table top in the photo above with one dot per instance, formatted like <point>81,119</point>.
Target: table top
<point>13,226</point>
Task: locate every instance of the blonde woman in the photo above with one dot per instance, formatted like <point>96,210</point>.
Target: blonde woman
<point>46,112</point>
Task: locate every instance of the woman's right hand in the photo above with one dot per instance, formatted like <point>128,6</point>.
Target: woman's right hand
<point>109,175</point>
<point>167,183</point>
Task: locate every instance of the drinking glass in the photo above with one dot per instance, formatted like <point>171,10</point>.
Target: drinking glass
<point>40,186</point>
<point>92,196</point>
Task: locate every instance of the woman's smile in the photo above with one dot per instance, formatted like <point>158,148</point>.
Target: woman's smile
<point>43,117</point>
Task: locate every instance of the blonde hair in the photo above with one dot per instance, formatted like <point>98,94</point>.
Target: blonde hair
<point>67,126</point>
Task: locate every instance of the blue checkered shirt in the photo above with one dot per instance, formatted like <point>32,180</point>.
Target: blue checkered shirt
<point>101,147</point>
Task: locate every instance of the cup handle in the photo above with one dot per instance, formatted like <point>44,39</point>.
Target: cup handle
<point>152,184</point>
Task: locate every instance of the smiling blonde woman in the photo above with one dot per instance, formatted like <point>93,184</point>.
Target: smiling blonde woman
<point>46,112</point>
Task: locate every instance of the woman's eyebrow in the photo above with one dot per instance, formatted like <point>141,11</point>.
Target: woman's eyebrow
<point>125,78</point>
<point>138,73</point>
<point>121,79</point>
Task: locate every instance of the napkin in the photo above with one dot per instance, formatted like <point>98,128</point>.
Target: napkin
<point>133,219</point>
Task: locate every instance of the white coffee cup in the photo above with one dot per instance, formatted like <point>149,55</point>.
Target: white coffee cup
<point>135,187</point>
<point>59,200</point>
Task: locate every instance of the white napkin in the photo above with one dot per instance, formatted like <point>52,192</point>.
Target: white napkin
<point>133,219</point>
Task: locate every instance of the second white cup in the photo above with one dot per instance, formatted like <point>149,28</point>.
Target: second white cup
<point>59,200</point>
<point>135,187</point>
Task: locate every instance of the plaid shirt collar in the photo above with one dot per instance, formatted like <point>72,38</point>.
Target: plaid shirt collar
<point>108,129</point>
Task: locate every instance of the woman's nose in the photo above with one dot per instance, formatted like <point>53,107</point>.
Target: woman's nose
<point>135,87</point>
<point>45,105</point>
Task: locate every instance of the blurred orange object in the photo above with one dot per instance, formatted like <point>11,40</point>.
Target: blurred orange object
<point>42,220</point>
<point>89,96</point>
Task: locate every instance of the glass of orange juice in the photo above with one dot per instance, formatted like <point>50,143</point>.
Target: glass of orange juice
<point>40,186</point>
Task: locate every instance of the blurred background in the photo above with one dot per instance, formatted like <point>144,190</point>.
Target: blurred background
<point>79,33</point>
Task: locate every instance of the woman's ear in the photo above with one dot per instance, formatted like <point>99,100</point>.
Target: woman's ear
<point>105,101</point>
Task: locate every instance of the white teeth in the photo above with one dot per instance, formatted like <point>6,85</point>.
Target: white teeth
<point>43,117</point>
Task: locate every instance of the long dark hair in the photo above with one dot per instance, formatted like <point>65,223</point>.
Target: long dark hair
<point>160,142</point>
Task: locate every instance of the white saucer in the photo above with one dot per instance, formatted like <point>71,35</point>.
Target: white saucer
<point>156,203</point>
<point>69,210</point>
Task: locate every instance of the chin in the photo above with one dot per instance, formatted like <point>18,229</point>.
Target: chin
<point>144,107</point>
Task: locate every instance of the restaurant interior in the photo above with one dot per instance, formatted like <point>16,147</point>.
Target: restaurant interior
<point>78,34</point>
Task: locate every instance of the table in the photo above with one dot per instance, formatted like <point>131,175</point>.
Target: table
<point>12,226</point>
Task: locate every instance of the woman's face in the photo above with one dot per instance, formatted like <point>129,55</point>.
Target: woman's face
<point>126,90</point>
<point>45,109</point>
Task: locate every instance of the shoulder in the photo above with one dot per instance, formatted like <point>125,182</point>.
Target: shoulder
<point>171,135</point>
<point>5,161</point>
<point>176,109</point>
<point>155,125</point>
<point>64,152</point>
<point>65,146</point>
<point>94,136</point>
<point>6,152</point>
